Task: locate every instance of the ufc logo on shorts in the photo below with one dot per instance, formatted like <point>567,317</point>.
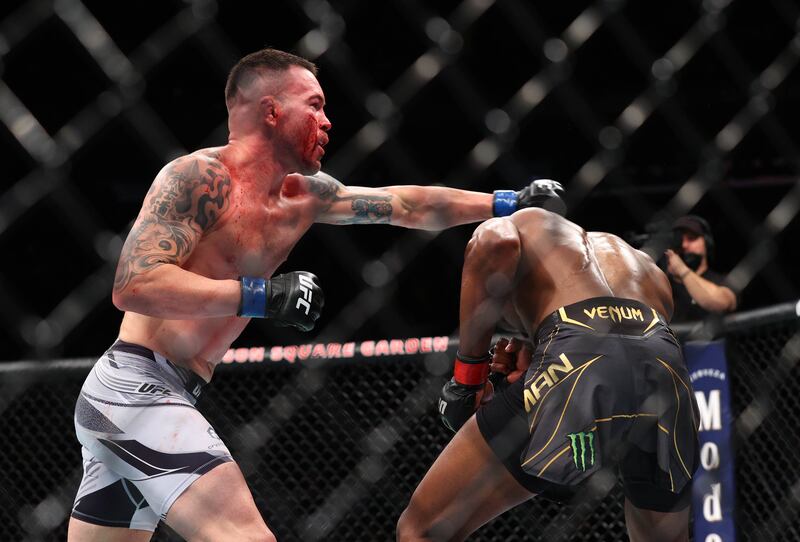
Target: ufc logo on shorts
<point>153,388</point>
<point>442,407</point>
<point>305,288</point>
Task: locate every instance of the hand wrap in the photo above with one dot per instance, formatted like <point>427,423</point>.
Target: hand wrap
<point>471,371</point>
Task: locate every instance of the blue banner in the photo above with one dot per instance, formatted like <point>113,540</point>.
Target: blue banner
<point>713,491</point>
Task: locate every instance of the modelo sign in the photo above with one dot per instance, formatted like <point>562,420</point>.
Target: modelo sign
<point>713,490</point>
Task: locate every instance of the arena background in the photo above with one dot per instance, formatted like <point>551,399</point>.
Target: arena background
<point>643,110</point>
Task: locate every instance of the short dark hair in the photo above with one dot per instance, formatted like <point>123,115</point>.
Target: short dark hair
<point>263,60</point>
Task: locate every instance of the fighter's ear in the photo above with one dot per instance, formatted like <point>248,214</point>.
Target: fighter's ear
<point>270,109</point>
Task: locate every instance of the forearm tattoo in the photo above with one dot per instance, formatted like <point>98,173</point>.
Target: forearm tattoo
<point>365,208</point>
<point>372,210</point>
<point>185,201</point>
<point>325,189</point>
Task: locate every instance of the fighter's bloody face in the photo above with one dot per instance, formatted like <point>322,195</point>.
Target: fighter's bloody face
<point>312,151</point>
<point>306,123</point>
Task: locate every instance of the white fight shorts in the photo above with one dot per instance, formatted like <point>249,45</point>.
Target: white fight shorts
<point>143,440</point>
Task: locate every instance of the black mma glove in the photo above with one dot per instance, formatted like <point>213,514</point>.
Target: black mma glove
<point>543,193</point>
<point>292,299</point>
<point>458,399</point>
<point>457,402</point>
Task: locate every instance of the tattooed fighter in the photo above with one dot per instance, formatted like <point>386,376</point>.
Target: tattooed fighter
<point>196,266</point>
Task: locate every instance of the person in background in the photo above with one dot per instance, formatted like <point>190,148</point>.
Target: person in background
<point>697,289</point>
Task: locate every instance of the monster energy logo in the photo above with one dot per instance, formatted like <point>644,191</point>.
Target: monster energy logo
<point>579,442</point>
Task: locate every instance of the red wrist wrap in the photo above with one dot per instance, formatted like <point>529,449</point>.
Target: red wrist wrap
<point>471,372</point>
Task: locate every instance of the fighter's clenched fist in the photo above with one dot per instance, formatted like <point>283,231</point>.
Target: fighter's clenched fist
<point>292,299</point>
<point>510,362</point>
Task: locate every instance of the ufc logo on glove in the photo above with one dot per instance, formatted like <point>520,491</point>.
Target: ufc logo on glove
<point>306,285</point>
<point>272,298</point>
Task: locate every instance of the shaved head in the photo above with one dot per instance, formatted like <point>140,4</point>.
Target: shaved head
<point>266,66</point>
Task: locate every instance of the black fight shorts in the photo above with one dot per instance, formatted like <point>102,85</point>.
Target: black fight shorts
<point>607,390</point>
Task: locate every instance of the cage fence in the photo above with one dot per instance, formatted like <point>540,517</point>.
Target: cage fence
<point>333,449</point>
<point>79,166</point>
<point>519,89</point>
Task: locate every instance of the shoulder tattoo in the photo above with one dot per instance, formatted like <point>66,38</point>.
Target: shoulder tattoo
<point>186,200</point>
<point>192,189</point>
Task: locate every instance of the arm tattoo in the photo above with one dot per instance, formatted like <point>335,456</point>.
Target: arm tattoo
<point>373,210</point>
<point>326,189</point>
<point>185,201</point>
<point>366,208</point>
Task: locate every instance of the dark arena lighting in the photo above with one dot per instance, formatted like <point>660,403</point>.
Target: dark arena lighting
<point>645,112</point>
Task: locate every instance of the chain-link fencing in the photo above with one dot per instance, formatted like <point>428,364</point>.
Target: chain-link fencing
<point>642,112</point>
<point>332,450</point>
<point>645,111</point>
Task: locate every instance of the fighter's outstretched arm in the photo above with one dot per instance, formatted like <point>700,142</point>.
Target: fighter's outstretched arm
<point>187,199</point>
<point>423,207</point>
<point>418,207</point>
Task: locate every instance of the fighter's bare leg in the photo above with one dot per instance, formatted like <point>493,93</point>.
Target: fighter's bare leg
<point>466,487</point>
<point>219,507</point>
<point>650,526</point>
<point>80,531</point>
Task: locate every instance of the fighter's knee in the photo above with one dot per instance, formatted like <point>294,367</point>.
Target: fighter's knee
<point>405,528</point>
<point>237,535</point>
<point>231,530</point>
<point>415,527</point>
<point>256,537</point>
<point>257,533</point>
<point>260,535</point>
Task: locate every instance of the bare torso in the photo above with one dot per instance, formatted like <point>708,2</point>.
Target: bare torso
<point>252,237</point>
<point>562,264</point>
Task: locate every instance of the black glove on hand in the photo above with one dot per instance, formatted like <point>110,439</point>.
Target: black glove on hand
<point>294,299</point>
<point>543,193</point>
<point>457,403</point>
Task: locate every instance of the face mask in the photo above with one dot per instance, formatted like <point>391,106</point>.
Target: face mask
<point>692,260</point>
